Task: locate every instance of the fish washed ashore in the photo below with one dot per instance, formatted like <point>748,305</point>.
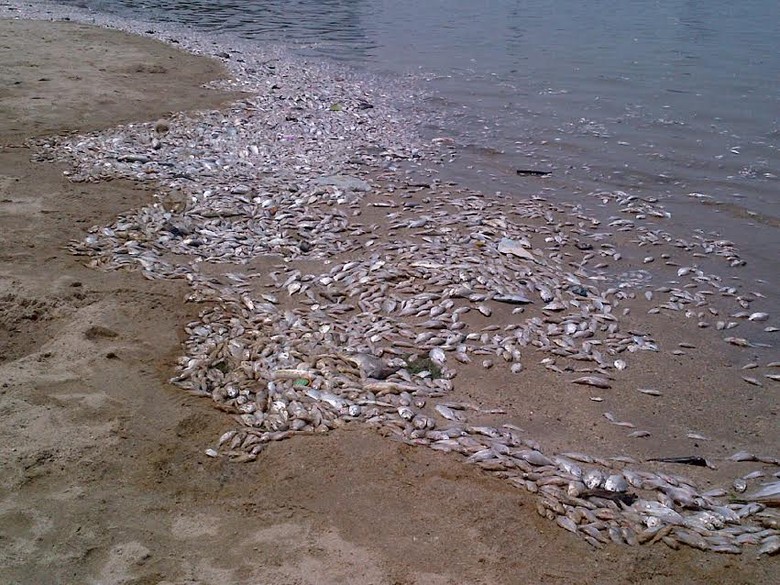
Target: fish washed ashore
<point>344,285</point>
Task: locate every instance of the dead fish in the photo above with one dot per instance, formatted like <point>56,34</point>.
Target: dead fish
<point>566,523</point>
<point>462,357</point>
<point>604,494</point>
<point>691,460</point>
<point>293,374</point>
<point>658,510</point>
<point>438,356</point>
<point>508,246</point>
<point>638,434</point>
<point>449,413</point>
<point>371,366</point>
<point>486,311</point>
<point>754,475</point>
<point>616,483</point>
<point>770,546</point>
<point>769,494</point>
<point>535,457</point>
<point>593,478</point>
<point>596,381</point>
<point>742,456</point>
<point>512,299</point>
<point>691,538</point>
<point>533,173</point>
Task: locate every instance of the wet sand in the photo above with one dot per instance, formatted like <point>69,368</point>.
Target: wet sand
<point>104,477</point>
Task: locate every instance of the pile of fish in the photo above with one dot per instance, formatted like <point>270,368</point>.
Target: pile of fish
<point>340,291</point>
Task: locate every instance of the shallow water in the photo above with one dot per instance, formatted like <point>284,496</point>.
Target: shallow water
<point>659,99</point>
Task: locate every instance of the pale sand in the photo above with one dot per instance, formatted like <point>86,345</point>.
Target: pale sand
<point>103,477</point>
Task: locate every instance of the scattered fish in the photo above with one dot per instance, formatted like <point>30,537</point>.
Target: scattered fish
<point>359,315</point>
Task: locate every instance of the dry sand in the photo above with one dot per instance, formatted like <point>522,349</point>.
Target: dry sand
<point>103,478</point>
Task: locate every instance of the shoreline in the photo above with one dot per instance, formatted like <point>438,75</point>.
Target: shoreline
<point>583,415</point>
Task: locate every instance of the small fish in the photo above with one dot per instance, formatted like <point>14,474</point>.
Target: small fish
<point>535,457</point>
<point>566,523</point>
<point>533,173</point>
<point>742,456</point>
<point>512,299</point>
<point>758,317</point>
<point>650,391</point>
<point>769,494</point>
<point>638,434</point>
<point>596,381</point>
<point>692,460</point>
<point>605,494</point>
<point>770,546</point>
<point>438,356</point>
<point>449,413</point>
<point>486,311</point>
<point>581,457</point>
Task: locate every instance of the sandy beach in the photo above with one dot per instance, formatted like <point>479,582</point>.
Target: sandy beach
<point>103,475</point>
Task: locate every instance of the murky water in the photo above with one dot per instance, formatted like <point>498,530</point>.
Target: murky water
<point>662,98</point>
